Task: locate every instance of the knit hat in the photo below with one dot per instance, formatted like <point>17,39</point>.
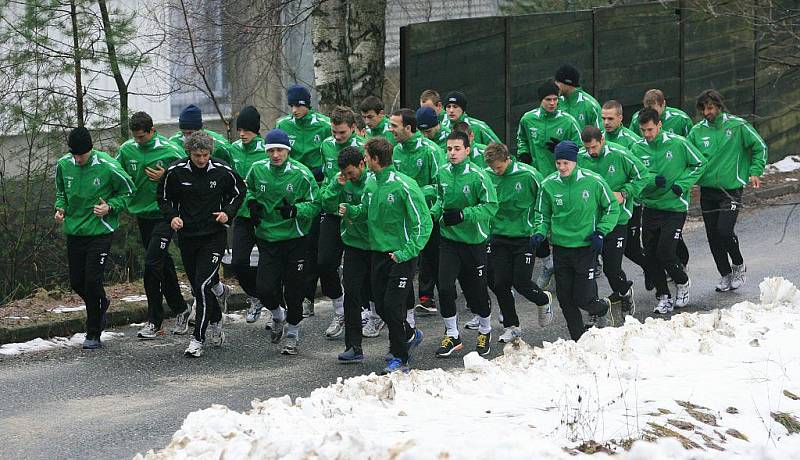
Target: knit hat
<point>547,89</point>
<point>567,150</point>
<point>277,138</point>
<point>458,98</point>
<point>569,75</point>
<point>249,119</point>
<point>426,118</point>
<point>191,118</point>
<point>298,95</point>
<point>79,141</point>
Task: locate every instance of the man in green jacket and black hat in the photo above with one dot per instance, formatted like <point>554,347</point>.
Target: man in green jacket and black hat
<point>191,120</point>
<point>455,106</point>
<point>574,100</point>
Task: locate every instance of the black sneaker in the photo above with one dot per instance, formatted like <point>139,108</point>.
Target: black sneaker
<point>448,346</point>
<point>628,304</point>
<point>484,345</point>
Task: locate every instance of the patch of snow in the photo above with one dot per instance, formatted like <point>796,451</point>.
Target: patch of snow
<point>17,317</point>
<point>39,344</point>
<point>719,371</point>
<point>65,309</point>
<point>790,179</point>
<point>233,318</point>
<point>133,298</point>
<point>788,164</point>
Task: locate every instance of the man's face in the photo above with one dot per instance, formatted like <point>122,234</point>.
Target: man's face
<point>565,167</point>
<point>299,111</point>
<point>454,111</point>
<point>432,133</point>
<point>246,136</point>
<point>200,157</point>
<point>710,112</point>
<point>428,103</point>
<point>612,119</point>
<point>342,132</point>
<point>401,133</point>
<point>143,137</point>
<point>650,130</point>
<point>372,162</point>
<point>499,167</point>
<point>593,146</point>
<point>550,103</point>
<point>564,88</point>
<point>82,158</point>
<point>371,118</point>
<point>353,173</point>
<point>456,152</point>
<point>277,156</point>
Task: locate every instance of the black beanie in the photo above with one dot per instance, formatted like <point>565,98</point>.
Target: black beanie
<point>79,141</point>
<point>458,98</point>
<point>547,89</point>
<point>191,118</point>
<point>249,119</point>
<point>568,75</point>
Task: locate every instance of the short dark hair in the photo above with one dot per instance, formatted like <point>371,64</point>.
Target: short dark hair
<point>141,121</point>
<point>371,103</point>
<point>381,149</point>
<point>349,156</point>
<point>613,104</point>
<point>409,118</point>
<point>459,135</point>
<point>341,115</point>
<point>431,95</point>
<point>360,123</point>
<point>591,133</point>
<point>653,97</point>
<point>713,97</point>
<point>462,126</point>
<point>648,114</point>
<point>495,152</point>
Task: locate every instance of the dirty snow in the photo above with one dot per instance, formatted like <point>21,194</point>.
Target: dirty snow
<point>39,344</point>
<point>788,164</point>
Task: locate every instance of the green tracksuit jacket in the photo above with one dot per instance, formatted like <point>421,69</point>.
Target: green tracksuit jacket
<point>396,214</point>
<point>221,145</point>
<point>673,157</point>
<point>571,208</point>
<point>80,188</point>
<point>583,107</point>
<point>270,185</point>
<point>733,151</point>
<point>330,154</point>
<point>483,133</point>
<point>467,187</point>
<point>535,130</point>
<point>623,136</point>
<point>622,171</point>
<point>306,135</point>
<point>381,130</point>
<point>354,234</point>
<point>517,191</point>
<point>673,121</point>
<point>242,158</point>
<point>418,158</point>
<point>134,158</point>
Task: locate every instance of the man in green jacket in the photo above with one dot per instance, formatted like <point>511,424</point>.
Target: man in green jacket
<point>626,176</point>
<point>475,149</point>
<point>577,209</point>
<point>456,109</point>
<point>145,158</point>
<point>282,196</point>
<point>466,203</point>
<point>675,165</point>
<point>673,120</point>
<point>510,258</point>
<point>736,156</point>
<point>91,191</point>
<point>428,123</point>
<point>374,116</point>
<point>431,98</point>
<point>574,100</point>
<point>398,223</point>
<point>191,120</point>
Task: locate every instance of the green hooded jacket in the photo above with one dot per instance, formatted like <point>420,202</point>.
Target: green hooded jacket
<point>242,158</point>
<point>583,107</point>
<point>467,187</point>
<point>535,130</point>
<point>382,129</point>
<point>673,121</point>
<point>354,234</point>
<point>483,132</point>
<point>517,191</point>
<point>330,154</point>
<point>306,135</point>
<point>418,158</point>
<point>623,136</point>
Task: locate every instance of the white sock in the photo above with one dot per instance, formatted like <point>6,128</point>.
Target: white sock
<point>548,262</point>
<point>293,330</point>
<point>338,306</point>
<point>484,324</point>
<point>451,324</point>
<point>218,289</point>
<point>411,319</point>
<point>279,314</point>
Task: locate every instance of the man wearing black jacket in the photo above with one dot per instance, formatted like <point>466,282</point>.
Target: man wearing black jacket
<point>198,196</point>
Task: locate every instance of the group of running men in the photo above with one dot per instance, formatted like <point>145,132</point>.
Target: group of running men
<point>364,204</point>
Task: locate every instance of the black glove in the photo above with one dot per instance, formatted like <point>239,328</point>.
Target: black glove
<point>536,240</point>
<point>288,211</point>
<point>661,181</point>
<point>551,144</point>
<point>596,241</point>
<point>256,212</point>
<point>452,217</point>
<point>676,189</point>
<point>526,158</point>
<point>318,176</point>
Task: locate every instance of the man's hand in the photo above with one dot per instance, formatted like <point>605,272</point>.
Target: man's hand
<point>287,210</point>
<point>619,196</point>
<point>59,217</point>
<point>155,174</point>
<point>176,223</point>
<point>755,181</point>
<point>341,179</point>
<point>393,257</point>
<point>452,217</point>
<point>342,209</point>
<point>535,241</point>
<point>220,217</point>
<point>676,189</point>
<point>660,181</point>
<point>596,242</point>
<point>256,212</point>
<point>101,209</point>
<point>551,144</point>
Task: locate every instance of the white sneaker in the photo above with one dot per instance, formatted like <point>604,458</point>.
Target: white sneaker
<point>336,328</point>
<point>545,277</point>
<point>291,345</point>
<point>664,305</point>
<point>724,284</point>
<point>182,322</point>
<point>149,332</point>
<point>545,316</point>
<point>370,329</point>
<point>308,308</point>
<point>195,349</point>
<point>253,310</point>
<point>217,334</point>
<point>473,323</point>
<point>223,298</point>
<point>509,334</point>
<point>738,277</point>
<point>682,294</point>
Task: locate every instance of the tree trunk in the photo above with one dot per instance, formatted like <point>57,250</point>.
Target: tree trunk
<point>330,40</point>
<point>76,53</point>
<point>122,86</point>
<point>368,37</point>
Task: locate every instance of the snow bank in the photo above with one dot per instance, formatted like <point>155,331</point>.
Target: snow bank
<point>39,344</point>
<point>788,164</point>
<point>705,381</point>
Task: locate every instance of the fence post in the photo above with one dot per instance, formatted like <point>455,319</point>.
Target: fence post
<point>681,51</point>
<point>403,58</point>
<point>506,77</point>
<point>595,54</point>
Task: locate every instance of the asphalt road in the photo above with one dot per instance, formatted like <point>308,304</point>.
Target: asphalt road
<point>131,396</point>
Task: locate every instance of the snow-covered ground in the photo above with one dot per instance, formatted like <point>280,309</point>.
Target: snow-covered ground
<point>714,382</point>
<point>39,344</point>
<point>788,164</point>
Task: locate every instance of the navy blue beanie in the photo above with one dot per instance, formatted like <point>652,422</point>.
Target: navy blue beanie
<point>277,138</point>
<point>567,150</point>
<point>426,118</point>
<point>191,118</point>
<point>298,95</point>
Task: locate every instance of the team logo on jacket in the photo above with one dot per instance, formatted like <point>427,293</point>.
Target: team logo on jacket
<point>559,200</point>
<point>560,131</point>
<point>668,154</point>
<point>611,169</point>
<point>585,194</point>
<point>466,190</point>
<point>316,138</point>
<point>289,188</point>
<point>706,141</point>
<point>390,198</point>
<point>96,181</point>
<point>419,162</point>
<point>534,132</point>
<point>728,132</point>
<point>518,187</point>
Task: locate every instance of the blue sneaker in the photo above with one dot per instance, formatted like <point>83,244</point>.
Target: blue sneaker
<point>92,343</point>
<point>351,355</point>
<point>388,357</point>
<point>394,366</point>
<point>414,342</point>
<point>104,304</point>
